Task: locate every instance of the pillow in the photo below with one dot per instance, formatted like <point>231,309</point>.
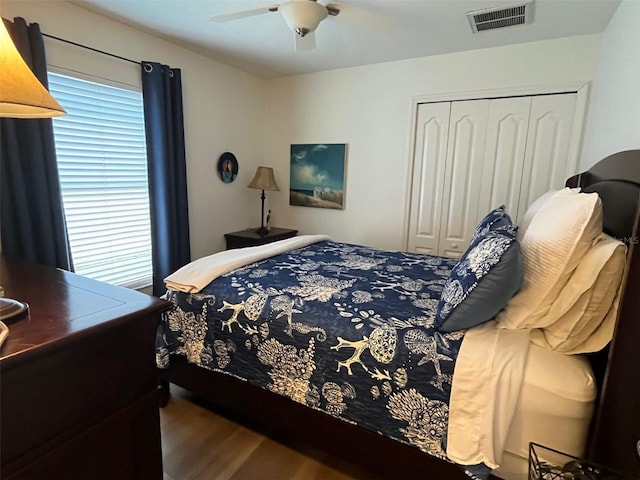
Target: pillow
<point>557,238</point>
<point>535,207</point>
<point>496,218</point>
<point>586,301</point>
<point>531,212</point>
<point>618,220</point>
<point>482,282</point>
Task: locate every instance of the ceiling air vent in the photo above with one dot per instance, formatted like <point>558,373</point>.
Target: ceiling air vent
<point>492,18</point>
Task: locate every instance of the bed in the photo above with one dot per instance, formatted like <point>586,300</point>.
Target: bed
<point>358,351</point>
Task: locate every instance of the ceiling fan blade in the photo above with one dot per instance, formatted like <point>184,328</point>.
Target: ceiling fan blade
<point>306,43</point>
<point>227,17</point>
<point>362,18</point>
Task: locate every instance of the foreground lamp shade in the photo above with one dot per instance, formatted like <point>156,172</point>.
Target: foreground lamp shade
<point>21,93</point>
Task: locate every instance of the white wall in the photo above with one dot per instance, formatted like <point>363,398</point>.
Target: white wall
<point>614,118</point>
<point>370,109</point>
<point>221,108</point>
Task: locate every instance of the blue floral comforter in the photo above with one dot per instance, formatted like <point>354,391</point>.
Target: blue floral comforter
<point>340,328</point>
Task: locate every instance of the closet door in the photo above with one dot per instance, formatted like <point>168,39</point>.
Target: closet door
<point>547,159</point>
<point>472,156</point>
<point>504,151</point>
<point>429,159</point>
<point>463,173</point>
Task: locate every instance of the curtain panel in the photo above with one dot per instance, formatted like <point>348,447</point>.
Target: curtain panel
<point>32,222</point>
<point>164,127</point>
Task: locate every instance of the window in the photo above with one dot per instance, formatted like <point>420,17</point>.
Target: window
<point>102,160</point>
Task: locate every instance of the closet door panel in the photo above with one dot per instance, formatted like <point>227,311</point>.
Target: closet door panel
<point>428,176</point>
<point>462,189</point>
<point>546,162</point>
<point>504,151</point>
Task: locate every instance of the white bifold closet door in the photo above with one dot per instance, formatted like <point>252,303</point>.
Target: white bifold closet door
<point>553,136</point>
<point>474,155</point>
<point>468,123</point>
<point>431,135</point>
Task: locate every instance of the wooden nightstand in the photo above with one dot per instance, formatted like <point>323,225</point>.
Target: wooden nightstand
<point>249,237</point>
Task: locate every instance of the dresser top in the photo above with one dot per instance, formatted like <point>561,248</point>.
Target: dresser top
<point>62,307</point>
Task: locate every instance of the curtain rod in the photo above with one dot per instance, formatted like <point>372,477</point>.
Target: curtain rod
<point>90,48</point>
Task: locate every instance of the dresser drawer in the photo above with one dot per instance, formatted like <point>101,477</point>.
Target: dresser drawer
<point>125,445</point>
<point>74,386</point>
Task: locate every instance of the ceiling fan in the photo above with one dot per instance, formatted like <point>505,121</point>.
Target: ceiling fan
<point>303,17</point>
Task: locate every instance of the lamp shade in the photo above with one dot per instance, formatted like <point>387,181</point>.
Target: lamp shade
<point>21,93</point>
<point>264,180</point>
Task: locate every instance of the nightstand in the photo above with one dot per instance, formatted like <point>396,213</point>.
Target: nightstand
<point>249,237</point>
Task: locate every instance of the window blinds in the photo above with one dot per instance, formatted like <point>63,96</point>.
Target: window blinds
<point>101,151</point>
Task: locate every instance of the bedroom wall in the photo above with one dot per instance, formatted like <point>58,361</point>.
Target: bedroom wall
<point>370,109</point>
<point>221,108</point>
<point>614,119</point>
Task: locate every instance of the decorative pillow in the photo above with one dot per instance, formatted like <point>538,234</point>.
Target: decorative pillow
<point>586,301</point>
<point>555,241</point>
<point>496,218</point>
<point>482,282</point>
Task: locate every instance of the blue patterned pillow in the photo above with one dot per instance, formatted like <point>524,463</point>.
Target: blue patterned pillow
<point>496,218</point>
<point>483,281</point>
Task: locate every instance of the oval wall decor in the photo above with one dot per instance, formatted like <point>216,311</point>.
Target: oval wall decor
<point>228,167</point>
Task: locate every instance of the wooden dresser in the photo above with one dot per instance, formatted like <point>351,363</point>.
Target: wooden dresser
<point>78,379</point>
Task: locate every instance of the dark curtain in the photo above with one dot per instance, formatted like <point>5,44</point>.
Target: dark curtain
<point>32,223</point>
<point>164,125</point>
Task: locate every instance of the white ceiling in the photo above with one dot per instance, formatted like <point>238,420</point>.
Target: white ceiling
<point>264,46</point>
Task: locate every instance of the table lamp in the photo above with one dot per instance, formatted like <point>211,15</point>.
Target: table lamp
<point>21,96</point>
<point>264,180</point>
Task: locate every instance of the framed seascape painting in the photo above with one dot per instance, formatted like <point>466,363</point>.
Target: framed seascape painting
<point>318,175</point>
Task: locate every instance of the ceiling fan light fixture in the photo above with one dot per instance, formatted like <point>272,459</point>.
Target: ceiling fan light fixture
<point>303,16</point>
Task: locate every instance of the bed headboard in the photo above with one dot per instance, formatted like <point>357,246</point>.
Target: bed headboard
<point>615,435</point>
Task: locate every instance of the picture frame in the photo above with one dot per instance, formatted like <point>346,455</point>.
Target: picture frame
<point>227,167</point>
<point>318,175</point>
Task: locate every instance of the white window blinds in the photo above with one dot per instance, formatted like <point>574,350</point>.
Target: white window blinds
<point>102,160</point>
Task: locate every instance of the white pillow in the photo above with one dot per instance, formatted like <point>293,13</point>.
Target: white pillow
<point>585,301</point>
<point>557,238</point>
<point>534,208</point>
<point>603,334</point>
<point>532,211</point>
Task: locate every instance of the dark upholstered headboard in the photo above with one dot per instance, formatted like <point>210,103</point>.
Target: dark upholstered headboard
<point>616,179</point>
<point>616,430</point>
<point>618,201</point>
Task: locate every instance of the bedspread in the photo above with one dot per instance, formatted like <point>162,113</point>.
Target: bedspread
<point>341,328</point>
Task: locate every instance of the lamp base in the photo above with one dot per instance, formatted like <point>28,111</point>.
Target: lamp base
<point>262,231</point>
<point>12,310</point>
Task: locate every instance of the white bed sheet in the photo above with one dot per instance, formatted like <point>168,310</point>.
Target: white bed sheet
<point>554,409</point>
<point>486,386</point>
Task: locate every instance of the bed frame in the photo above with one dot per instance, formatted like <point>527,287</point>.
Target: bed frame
<point>616,425</point>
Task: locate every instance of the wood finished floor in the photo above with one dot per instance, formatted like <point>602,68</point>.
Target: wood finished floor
<point>200,444</point>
